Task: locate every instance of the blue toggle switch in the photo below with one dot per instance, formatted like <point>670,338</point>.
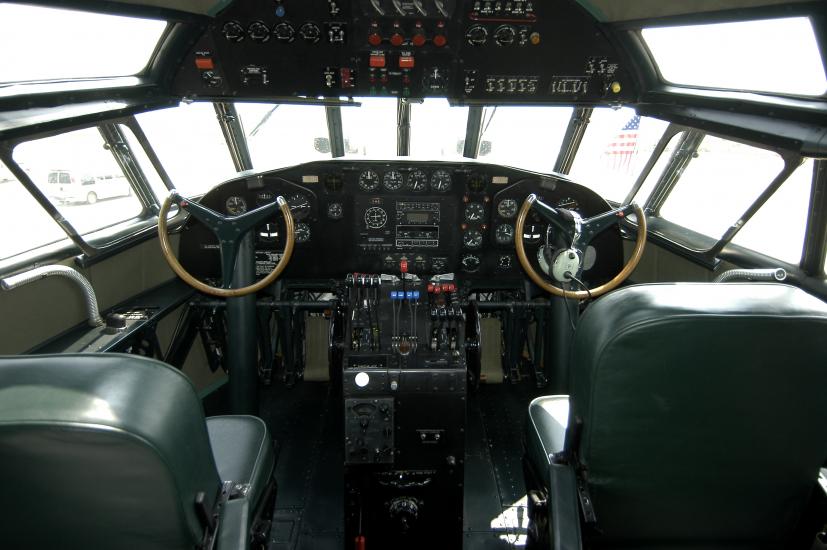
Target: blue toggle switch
<point>279,11</point>
<point>416,294</point>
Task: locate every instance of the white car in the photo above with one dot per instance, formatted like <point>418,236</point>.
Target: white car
<point>66,186</point>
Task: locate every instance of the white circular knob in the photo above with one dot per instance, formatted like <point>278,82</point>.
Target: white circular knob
<point>362,379</point>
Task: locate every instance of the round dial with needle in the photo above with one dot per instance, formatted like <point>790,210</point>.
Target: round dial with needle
<point>375,217</point>
<point>236,206</point>
<point>474,211</point>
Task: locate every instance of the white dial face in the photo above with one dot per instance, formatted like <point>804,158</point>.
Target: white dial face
<point>375,217</point>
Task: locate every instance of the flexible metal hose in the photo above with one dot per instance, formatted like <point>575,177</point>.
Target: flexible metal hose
<point>9,283</point>
<point>776,274</point>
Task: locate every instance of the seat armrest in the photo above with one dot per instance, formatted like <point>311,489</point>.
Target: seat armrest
<point>233,527</point>
<point>563,508</point>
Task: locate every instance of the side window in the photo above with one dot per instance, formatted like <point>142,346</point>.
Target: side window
<point>657,170</point>
<point>722,180</point>
<point>79,156</point>
<point>614,150</point>
<point>190,145</point>
<point>778,228</point>
<point>23,222</point>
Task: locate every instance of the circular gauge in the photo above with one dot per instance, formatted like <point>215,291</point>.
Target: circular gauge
<point>284,32</point>
<point>474,211</point>
<point>504,233</point>
<point>233,31</point>
<point>441,181</point>
<point>369,180</point>
<point>375,217</point>
<point>393,180</point>
<point>470,263</point>
<point>568,203</point>
<point>236,206</point>
<point>507,208</point>
<point>504,262</point>
<point>258,31</point>
<point>310,32</point>
<point>477,35</point>
<point>265,197</point>
<point>302,233</point>
<point>476,183</point>
<point>268,233</point>
<point>333,183</point>
<point>418,181</point>
<point>533,233</point>
<point>299,206</point>
<point>335,211</point>
<point>472,239</point>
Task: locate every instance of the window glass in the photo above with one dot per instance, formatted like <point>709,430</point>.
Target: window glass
<point>614,150</point>
<point>370,130</point>
<point>58,44</point>
<point>284,135</point>
<point>773,55</point>
<point>524,137</point>
<point>438,130</point>
<point>92,191</point>
<point>778,228</point>
<point>23,222</point>
<point>190,145</point>
<point>719,184</point>
<point>138,153</point>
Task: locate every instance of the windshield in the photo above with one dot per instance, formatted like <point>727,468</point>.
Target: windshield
<point>51,44</point>
<point>774,55</point>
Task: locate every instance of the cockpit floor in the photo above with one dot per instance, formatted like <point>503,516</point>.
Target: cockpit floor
<point>306,420</point>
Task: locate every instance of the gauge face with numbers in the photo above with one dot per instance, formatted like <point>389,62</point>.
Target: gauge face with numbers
<point>236,206</point>
<point>375,217</point>
<point>472,239</point>
<point>369,180</point>
<point>302,232</point>
<point>441,181</point>
<point>507,208</point>
<point>299,206</point>
<point>418,181</point>
<point>393,180</point>
<point>474,211</point>
<point>504,234</point>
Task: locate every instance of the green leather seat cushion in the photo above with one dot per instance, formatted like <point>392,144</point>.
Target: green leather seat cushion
<point>548,417</point>
<point>243,452</point>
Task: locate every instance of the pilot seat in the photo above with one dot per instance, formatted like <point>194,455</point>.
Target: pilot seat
<point>696,419</point>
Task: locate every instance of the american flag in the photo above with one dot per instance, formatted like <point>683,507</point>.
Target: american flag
<point>623,147</point>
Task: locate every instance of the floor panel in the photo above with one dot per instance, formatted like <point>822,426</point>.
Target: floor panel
<point>306,420</point>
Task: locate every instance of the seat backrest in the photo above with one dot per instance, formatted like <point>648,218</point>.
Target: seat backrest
<point>101,451</point>
<point>703,410</point>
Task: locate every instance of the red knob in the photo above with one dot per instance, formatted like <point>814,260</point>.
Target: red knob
<point>418,40</point>
<point>440,40</point>
<point>397,39</point>
<point>374,39</point>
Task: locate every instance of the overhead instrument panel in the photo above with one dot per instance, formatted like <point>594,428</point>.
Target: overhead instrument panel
<point>489,51</point>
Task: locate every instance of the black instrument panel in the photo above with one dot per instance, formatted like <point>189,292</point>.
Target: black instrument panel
<point>349,221</point>
<point>493,51</point>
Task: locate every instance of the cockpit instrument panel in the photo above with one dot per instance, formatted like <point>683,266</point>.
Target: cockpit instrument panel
<point>491,51</point>
<point>459,218</point>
